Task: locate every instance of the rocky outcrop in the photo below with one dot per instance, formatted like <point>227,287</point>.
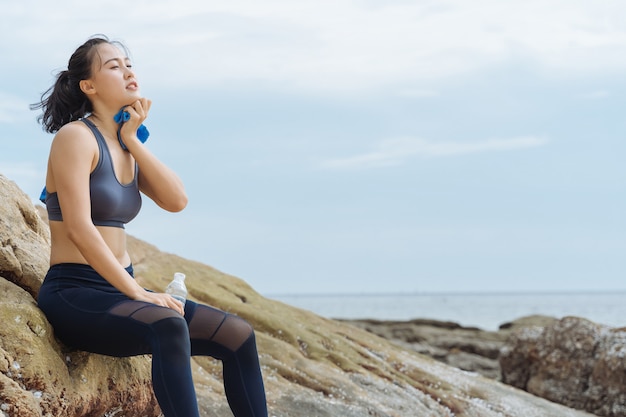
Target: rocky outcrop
<point>467,348</point>
<point>24,239</point>
<point>572,361</point>
<point>312,366</point>
<point>38,375</point>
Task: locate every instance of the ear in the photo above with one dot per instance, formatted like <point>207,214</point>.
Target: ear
<point>87,87</point>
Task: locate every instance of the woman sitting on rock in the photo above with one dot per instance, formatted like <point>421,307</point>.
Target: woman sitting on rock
<point>96,170</point>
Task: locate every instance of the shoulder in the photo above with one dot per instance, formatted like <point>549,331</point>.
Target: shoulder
<point>75,134</point>
<point>73,129</point>
<point>74,138</point>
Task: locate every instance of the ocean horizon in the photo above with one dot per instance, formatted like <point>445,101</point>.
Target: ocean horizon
<point>486,310</point>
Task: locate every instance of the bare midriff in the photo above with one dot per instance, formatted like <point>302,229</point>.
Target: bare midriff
<point>63,250</point>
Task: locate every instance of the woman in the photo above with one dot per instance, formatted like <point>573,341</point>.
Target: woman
<point>96,171</point>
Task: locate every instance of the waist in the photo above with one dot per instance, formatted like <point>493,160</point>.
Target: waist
<point>79,274</point>
<point>64,250</point>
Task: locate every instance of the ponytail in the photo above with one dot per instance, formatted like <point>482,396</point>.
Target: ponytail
<point>65,102</point>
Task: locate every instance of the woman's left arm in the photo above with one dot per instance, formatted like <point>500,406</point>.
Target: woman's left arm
<point>159,182</point>
<point>156,180</point>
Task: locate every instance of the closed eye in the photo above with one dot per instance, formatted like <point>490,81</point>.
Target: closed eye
<point>116,63</point>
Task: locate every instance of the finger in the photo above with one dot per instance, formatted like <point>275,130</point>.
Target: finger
<point>140,108</point>
<point>136,107</point>
<point>130,110</point>
<point>177,305</point>
<point>145,107</point>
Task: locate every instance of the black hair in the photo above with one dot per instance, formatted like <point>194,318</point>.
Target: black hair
<point>65,102</point>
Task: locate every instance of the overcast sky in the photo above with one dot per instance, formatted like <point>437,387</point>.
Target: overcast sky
<point>362,146</point>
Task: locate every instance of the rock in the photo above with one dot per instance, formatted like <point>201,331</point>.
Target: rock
<point>573,362</point>
<point>312,366</point>
<point>39,376</point>
<point>24,239</point>
<point>528,321</point>
<point>467,348</point>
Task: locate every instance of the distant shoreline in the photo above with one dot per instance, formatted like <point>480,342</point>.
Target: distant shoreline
<point>484,310</point>
<point>444,293</point>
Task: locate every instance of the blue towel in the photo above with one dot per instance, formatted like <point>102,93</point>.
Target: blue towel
<point>123,116</point>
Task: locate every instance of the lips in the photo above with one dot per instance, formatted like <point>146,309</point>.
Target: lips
<point>132,86</point>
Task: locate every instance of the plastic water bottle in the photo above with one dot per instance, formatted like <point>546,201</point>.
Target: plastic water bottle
<point>177,288</point>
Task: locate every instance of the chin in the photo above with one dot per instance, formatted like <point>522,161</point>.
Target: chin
<point>134,95</point>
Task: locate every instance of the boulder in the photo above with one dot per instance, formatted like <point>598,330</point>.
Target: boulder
<point>24,239</point>
<point>573,361</point>
<point>312,366</point>
<point>38,375</point>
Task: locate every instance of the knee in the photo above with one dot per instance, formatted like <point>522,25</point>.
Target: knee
<point>241,324</point>
<point>234,332</point>
<point>172,330</point>
<point>238,326</point>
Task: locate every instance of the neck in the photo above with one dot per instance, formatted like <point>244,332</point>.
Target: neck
<point>104,121</point>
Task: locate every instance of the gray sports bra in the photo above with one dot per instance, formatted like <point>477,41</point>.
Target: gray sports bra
<point>112,204</point>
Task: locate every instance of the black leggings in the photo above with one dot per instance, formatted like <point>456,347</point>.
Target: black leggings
<point>88,313</point>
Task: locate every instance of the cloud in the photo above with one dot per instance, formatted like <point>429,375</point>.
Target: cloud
<point>329,45</point>
<point>393,152</point>
<point>362,47</point>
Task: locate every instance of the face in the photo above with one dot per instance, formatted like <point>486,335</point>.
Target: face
<point>113,80</point>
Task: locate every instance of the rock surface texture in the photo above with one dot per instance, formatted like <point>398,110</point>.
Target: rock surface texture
<point>572,361</point>
<point>312,366</point>
<point>467,348</point>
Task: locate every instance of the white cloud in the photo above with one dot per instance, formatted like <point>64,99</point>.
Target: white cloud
<point>337,45</point>
<point>392,152</point>
<point>362,47</point>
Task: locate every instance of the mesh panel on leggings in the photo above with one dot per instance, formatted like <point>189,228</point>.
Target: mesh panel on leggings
<point>226,329</point>
<point>143,312</point>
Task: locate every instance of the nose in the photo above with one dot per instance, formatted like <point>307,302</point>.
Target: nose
<point>129,73</point>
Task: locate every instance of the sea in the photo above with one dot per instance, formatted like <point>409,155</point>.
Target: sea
<point>486,311</point>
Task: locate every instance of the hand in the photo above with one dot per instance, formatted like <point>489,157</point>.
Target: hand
<point>138,112</point>
<point>163,300</point>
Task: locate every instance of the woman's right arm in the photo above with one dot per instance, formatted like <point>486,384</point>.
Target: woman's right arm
<point>73,155</point>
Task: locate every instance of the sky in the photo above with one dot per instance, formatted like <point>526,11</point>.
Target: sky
<point>364,146</point>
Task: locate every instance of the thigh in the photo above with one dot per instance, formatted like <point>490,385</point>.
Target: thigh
<point>111,325</point>
<point>137,327</point>
<point>215,330</point>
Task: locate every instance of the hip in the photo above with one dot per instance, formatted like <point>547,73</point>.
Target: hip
<point>71,275</point>
<point>78,286</point>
